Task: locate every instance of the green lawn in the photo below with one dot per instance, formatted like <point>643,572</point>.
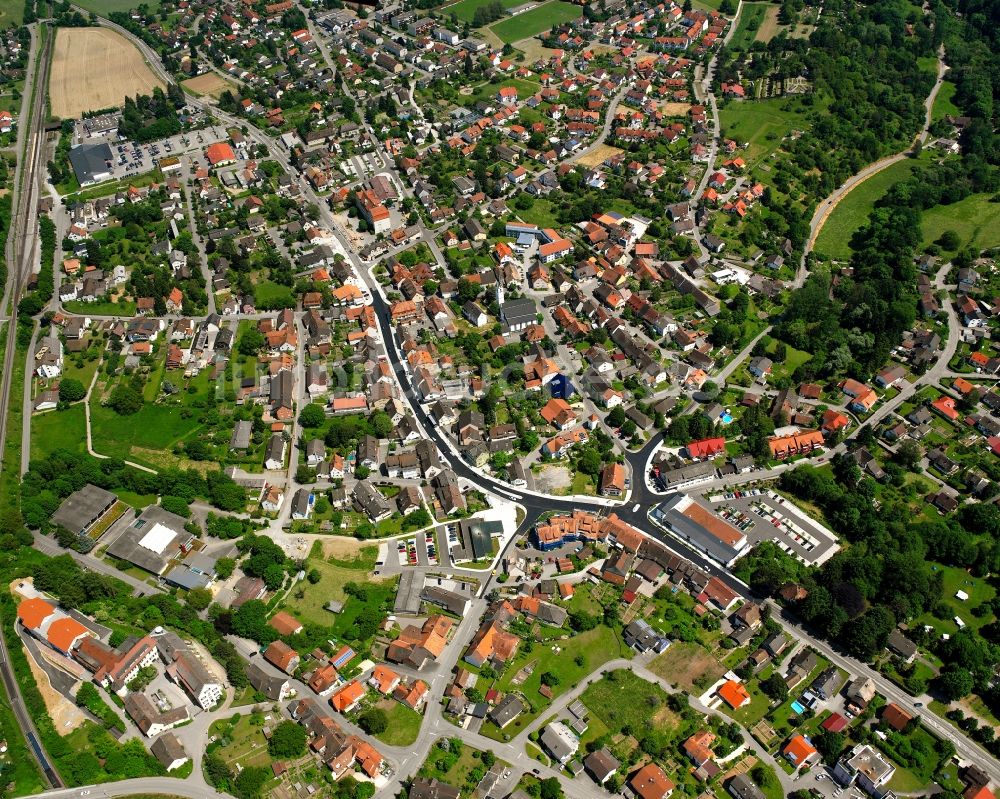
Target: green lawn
<point>852,211</point>
<point>764,123</point>
<point>465,10</point>
<point>975,219</point>
<point>269,292</point>
<point>794,358</point>
<point>457,773</point>
<point>595,647</point>
<point>404,724</point>
<point>58,430</point>
<point>11,12</point>
<point>154,427</point>
<point>954,580</point>
<point>488,91</point>
<point>242,743</point>
<point>533,22</point>
<point>333,578</point>
<point>944,104</point>
<point>105,7</point>
<point>750,20</point>
<point>135,500</point>
<point>627,701</point>
<point>541,213</point>
<point>125,308</point>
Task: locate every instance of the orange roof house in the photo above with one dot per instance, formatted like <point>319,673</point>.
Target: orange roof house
<point>280,654</point>
<point>411,695</point>
<point>834,420</point>
<point>734,694</point>
<point>798,444</point>
<point>383,679</point>
<point>347,698</point>
<point>219,154</point>
<point>650,782</point>
<point>946,407</point>
<point>799,751</point>
<point>706,448</point>
<point>368,758</point>
<point>699,747</point>
<point>324,679</point>
<point>963,386</point>
<point>32,612</point>
<point>285,623</point>
<point>558,413</point>
<point>65,632</point>
<point>896,717</point>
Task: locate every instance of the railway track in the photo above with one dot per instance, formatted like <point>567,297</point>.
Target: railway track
<point>21,239</point>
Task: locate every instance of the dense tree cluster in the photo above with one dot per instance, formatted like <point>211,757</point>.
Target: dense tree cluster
<point>884,577</point>
<point>47,482</point>
<point>152,116</point>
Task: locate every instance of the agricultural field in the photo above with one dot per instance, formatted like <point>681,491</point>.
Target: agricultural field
<point>687,665</point>
<point>465,10</point>
<point>95,68</point>
<point>976,220</point>
<point>533,22</point>
<point>769,26</point>
<point>599,155</point>
<point>626,701</point>
<point>852,212</point>
<point>208,84</point>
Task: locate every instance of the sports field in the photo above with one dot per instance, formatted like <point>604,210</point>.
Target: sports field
<point>533,22</point>
<point>95,68</point>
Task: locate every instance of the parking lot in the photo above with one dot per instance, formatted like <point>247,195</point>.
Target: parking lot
<point>132,159</point>
<point>763,515</point>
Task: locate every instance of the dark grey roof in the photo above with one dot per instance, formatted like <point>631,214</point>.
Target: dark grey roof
<point>89,161</point>
<point>127,546</point>
<point>268,683</point>
<point>81,509</point>
<point>741,787</point>
<point>509,708</point>
<point>667,513</point>
<point>168,749</point>
<point>241,435</point>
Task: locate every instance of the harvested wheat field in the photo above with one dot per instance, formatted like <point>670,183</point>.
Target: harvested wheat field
<point>95,68</point>
<point>599,155</point>
<point>675,109</point>
<point>209,83</point>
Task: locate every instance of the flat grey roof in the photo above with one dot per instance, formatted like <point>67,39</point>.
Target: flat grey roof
<point>667,513</point>
<point>81,509</point>
<point>90,160</point>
